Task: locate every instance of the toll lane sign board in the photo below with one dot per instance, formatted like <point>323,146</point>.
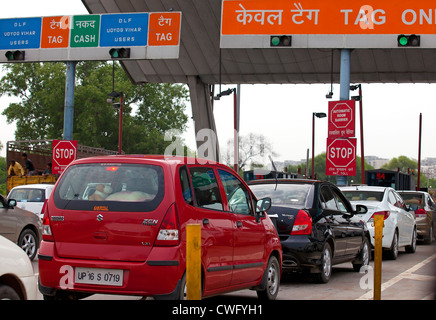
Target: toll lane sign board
<point>341,157</point>
<point>326,24</point>
<point>20,33</point>
<point>125,29</point>
<point>341,119</point>
<point>90,37</point>
<point>63,153</point>
<point>55,32</point>
<point>85,32</point>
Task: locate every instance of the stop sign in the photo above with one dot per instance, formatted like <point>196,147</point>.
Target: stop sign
<point>341,157</point>
<point>63,153</point>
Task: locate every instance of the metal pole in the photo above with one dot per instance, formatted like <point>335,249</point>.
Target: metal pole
<point>235,130</point>
<point>362,153</point>
<point>313,145</point>
<point>418,187</point>
<point>344,93</point>
<point>70,80</point>
<point>120,126</point>
<point>238,113</point>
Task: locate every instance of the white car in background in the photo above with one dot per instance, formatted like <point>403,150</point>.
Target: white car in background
<point>31,197</point>
<point>17,279</point>
<point>399,223</point>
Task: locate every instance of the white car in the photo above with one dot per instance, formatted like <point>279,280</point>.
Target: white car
<point>31,197</point>
<point>17,279</point>
<point>399,223</point>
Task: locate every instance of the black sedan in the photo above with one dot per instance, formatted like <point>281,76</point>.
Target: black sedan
<point>316,224</point>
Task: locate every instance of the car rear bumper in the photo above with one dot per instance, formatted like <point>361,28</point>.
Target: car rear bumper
<point>423,227</point>
<point>154,277</point>
<point>301,252</point>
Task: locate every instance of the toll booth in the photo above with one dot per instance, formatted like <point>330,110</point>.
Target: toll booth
<point>388,178</point>
<point>268,174</point>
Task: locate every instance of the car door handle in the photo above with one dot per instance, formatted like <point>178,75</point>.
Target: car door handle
<point>238,224</point>
<point>205,221</point>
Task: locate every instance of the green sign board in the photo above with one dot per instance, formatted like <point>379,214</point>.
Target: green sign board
<point>85,31</point>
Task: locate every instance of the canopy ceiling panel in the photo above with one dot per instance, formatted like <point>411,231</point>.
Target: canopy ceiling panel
<point>200,54</point>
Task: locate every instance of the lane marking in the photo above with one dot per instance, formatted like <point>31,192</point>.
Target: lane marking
<point>406,274</point>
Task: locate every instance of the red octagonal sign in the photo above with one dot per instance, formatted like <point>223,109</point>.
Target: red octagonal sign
<point>341,122</point>
<point>341,157</point>
<point>63,153</point>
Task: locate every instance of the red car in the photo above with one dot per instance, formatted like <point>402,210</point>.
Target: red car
<point>116,225</point>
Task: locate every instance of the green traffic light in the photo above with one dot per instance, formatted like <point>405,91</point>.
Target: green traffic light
<point>114,53</point>
<point>15,55</point>
<point>119,53</point>
<point>9,55</point>
<point>409,40</point>
<point>275,41</point>
<point>403,40</point>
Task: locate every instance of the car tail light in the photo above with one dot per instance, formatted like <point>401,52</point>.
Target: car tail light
<point>386,214</point>
<point>420,213</point>
<point>46,228</point>
<point>168,234</point>
<point>43,206</point>
<point>302,224</point>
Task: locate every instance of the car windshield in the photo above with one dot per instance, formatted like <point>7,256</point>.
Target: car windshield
<point>109,184</point>
<point>288,195</point>
<point>363,195</point>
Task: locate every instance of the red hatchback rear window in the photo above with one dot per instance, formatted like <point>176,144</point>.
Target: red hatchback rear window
<point>119,187</point>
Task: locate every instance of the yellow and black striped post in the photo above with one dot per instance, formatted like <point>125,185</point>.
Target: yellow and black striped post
<point>378,232</point>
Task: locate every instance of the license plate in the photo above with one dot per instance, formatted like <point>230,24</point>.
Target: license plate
<point>105,277</point>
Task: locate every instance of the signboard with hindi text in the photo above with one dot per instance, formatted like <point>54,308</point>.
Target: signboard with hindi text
<point>326,24</point>
<point>91,37</point>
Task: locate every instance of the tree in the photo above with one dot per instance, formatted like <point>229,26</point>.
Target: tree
<point>403,163</point>
<point>40,89</point>
<point>253,148</point>
<point>149,109</point>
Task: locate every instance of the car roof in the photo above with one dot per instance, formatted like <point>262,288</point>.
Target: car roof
<point>34,186</point>
<point>412,191</point>
<point>364,188</point>
<point>283,181</point>
<point>141,158</point>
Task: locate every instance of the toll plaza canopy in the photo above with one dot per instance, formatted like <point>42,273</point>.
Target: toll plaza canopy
<point>200,52</point>
<point>207,56</point>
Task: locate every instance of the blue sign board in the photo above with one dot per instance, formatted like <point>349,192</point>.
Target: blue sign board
<point>20,33</point>
<point>123,29</point>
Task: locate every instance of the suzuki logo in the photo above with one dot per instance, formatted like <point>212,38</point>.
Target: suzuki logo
<point>100,217</point>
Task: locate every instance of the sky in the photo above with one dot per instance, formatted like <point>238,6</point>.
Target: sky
<point>283,113</point>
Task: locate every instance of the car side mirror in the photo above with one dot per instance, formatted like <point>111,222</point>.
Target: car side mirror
<point>361,209</point>
<point>263,204</point>
<point>12,203</point>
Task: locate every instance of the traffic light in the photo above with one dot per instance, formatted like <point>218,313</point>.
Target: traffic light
<point>411,40</point>
<point>280,41</point>
<point>119,53</point>
<point>14,55</point>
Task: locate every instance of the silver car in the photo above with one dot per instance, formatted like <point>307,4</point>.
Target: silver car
<point>20,226</point>
<point>399,228</point>
<point>31,197</point>
<point>425,212</point>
